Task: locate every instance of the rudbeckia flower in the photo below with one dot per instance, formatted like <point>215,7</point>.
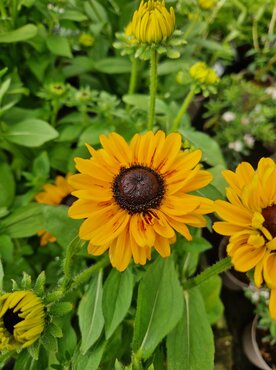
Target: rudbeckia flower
<point>152,22</point>
<point>134,196</point>
<point>250,222</point>
<point>21,319</point>
<point>207,4</point>
<point>54,194</point>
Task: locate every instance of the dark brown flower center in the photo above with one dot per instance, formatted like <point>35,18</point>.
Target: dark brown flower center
<point>10,319</point>
<point>269,214</point>
<point>138,188</point>
<point>68,200</point>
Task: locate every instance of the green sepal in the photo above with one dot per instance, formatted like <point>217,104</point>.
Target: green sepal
<point>49,342</point>
<point>53,296</point>
<point>26,282</point>
<point>34,350</point>
<point>61,308</point>
<point>55,330</point>
<point>118,365</point>
<point>40,283</point>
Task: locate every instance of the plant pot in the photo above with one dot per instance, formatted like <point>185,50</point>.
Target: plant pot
<point>251,347</point>
<point>231,278</point>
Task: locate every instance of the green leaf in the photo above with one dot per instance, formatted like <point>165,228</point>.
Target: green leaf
<point>59,45</point>
<point>142,102</point>
<point>57,222</point>
<point>210,291</point>
<point>73,15</point>
<point>31,133</point>
<point>117,294</point>
<point>211,151</point>
<point>190,345</point>
<point>90,314</point>
<point>7,185</point>
<point>41,166</point>
<point>24,361</point>
<point>49,342</point>
<point>20,34</point>
<point>24,221</point>
<point>68,343</point>
<point>113,65</point>
<point>91,134</point>
<point>159,307</point>
<point>210,192</point>
<point>89,361</point>
<point>6,248</point>
<point>40,283</point>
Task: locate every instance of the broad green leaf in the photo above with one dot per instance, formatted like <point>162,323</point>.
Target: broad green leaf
<point>95,11</point>
<point>73,15</point>
<point>31,133</point>
<point>68,343</point>
<point>218,180</point>
<point>210,192</point>
<point>91,134</point>
<point>41,165</point>
<point>57,222</point>
<point>190,345</point>
<point>20,34</point>
<point>117,294</point>
<point>113,65</point>
<point>6,248</point>
<point>7,185</point>
<point>142,102</point>
<point>24,361</point>
<point>210,291</point>
<point>90,314</point>
<point>24,221</point>
<point>89,361</point>
<point>59,45</point>
<point>211,151</point>
<point>159,307</point>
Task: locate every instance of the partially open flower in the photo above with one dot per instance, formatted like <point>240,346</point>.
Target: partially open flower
<point>203,74</point>
<point>21,319</point>
<point>206,4</point>
<point>54,194</point>
<point>134,196</point>
<point>152,22</point>
<point>249,219</point>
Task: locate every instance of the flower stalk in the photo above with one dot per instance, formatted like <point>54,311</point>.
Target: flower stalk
<point>183,108</point>
<point>215,269</point>
<point>153,86</point>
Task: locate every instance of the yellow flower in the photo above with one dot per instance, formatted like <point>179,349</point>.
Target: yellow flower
<point>134,196</point>
<point>203,74</point>
<point>86,39</point>
<point>129,34</point>
<point>152,22</point>
<point>21,319</point>
<point>250,221</point>
<point>54,194</point>
<point>206,4</point>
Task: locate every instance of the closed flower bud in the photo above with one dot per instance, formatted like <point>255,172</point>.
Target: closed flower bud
<point>21,319</point>
<point>206,4</point>
<point>86,39</point>
<point>152,22</point>
<point>202,74</point>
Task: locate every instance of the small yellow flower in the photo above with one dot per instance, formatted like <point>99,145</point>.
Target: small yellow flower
<point>206,4</point>
<point>135,196</point>
<point>152,22</point>
<point>86,39</point>
<point>21,319</point>
<point>54,194</point>
<point>203,74</point>
<point>249,219</point>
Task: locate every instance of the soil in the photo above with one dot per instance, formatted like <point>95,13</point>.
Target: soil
<point>268,351</point>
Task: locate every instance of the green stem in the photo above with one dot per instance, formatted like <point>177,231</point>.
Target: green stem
<point>183,108</point>
<point>133,76</point>
<point>215,269</point>
<point>83,276</point>
<point>55,110</point>
<point>71,250</point>
<point>153,86</point>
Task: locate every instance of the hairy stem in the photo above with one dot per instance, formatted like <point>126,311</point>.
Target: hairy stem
<point>153,86</point>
